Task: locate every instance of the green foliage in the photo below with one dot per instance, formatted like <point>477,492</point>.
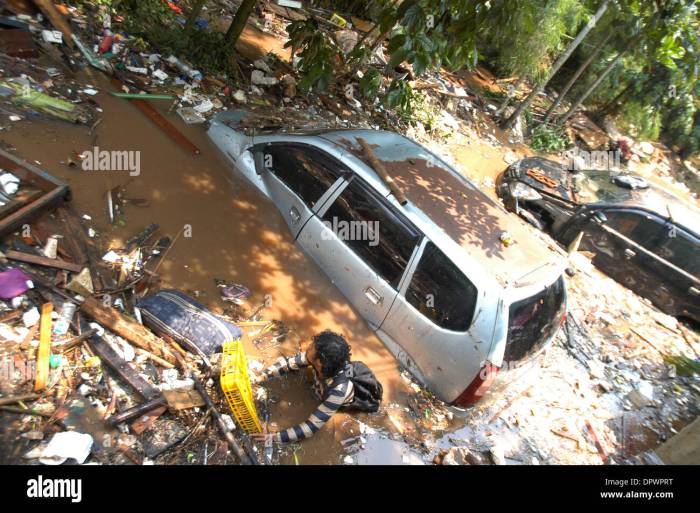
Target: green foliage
<point>411,106</point>
<point>654,90</point>
<point>522,37</point>
<point>548,140</point>
<point>370,83</point>
<point>400,97</point>
<point>684,366</point>
<point>641,120</point>
<point>318,55</point>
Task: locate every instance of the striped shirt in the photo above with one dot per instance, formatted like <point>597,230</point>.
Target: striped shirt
<point>332,398</point>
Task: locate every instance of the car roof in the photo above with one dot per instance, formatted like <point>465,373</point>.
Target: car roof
<point>452,204</point>
<point>665,204</point>
<point>653,199</point>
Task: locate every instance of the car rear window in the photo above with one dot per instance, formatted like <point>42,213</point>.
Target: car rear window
<point>533,320</point>
<point>440,291</point>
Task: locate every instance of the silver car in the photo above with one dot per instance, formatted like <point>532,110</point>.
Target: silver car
<point>453,285</point>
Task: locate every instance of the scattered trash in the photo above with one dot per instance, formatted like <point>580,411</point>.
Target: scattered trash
<point>190,116</point>
<point>13,283</point>
<point>65,445</point>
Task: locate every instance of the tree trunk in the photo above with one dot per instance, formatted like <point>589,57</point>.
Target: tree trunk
<point>508,98</point>
<point>194,14</point>
<point>238,23</point>
<point>611,105</point>
<point>557,64</point>
<point>586,94</point>
<point>575,77</point>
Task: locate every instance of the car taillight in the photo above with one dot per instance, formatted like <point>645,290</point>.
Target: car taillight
<point>478,387</point>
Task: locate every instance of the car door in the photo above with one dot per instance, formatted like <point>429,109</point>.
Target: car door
<point>299,178</point>
<point>430,319</point>
<point>364,244</point>
<point>678,262</point>
<point>622,241</point>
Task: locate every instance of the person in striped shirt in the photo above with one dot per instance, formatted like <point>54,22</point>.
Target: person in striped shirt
<point>329,356</point>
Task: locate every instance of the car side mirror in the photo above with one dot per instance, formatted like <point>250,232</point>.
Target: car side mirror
<point>600,217</point>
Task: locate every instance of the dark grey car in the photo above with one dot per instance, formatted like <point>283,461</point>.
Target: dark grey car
<point>640,234</point>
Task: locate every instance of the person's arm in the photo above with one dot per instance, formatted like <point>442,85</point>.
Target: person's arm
<point>284,365</point>
<point>335,398</point>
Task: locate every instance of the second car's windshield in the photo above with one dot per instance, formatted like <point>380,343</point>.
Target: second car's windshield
<point>597,186</point>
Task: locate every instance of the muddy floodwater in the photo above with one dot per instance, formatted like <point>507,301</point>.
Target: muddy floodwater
<point>236,235</point>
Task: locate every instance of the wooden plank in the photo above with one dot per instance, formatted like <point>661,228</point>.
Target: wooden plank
<point>27,212</point>
<point>183,399</point>
<point>56,263</point>
<point>127,328</point>
<point>122,369</point>
<point>42,359</point>
<point>73,235</point>
<point>165,125</point>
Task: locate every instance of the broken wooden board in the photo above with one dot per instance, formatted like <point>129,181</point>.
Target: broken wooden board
<point>122,369</point>
<point>146,421</point>
<point>56,263</point>
<point>127,328</point>
<point>42,359</point>
<point>84,248</point>
<point>53,192</point>
<point>183,399</point>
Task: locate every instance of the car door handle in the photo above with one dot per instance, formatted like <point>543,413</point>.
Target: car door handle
<point>374,296</point>
<point>694,291</point>
<point>629,253</point>
<point>294,215</point>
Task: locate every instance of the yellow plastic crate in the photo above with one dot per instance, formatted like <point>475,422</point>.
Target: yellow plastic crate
<point>235,384</point>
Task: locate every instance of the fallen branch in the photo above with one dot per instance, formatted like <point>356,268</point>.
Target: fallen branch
<point>76,341</point>
<point>382,172</point>
<point>23,411</point>
<point>17,398</point>
<point>645,339</point>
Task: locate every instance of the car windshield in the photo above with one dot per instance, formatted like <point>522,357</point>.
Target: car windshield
<point>597,186</point>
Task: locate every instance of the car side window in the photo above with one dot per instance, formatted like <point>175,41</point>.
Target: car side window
<point>441,292</point>
<point>307,171</point>
<point>372,228</point>
<point>642,228</point>
<point>682,250</point>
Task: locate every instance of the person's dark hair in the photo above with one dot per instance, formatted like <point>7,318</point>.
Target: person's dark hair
<point>333,352</point>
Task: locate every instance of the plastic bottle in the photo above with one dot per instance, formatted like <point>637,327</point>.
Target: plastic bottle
<point>62,324</point>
